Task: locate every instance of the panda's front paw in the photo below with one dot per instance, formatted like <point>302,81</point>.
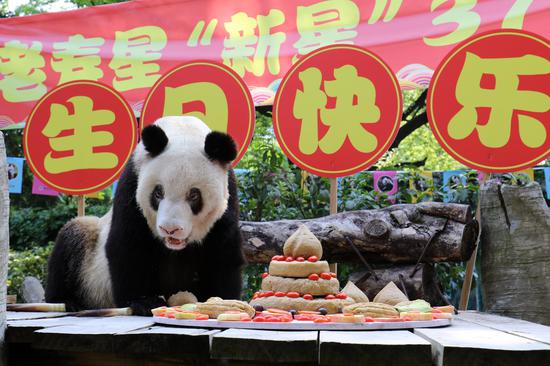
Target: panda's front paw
<point>144,305</point>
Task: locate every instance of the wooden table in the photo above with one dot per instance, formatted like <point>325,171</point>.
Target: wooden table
<point>473,339</point>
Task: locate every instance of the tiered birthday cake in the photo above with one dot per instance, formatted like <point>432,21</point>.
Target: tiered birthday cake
<point>299,280</point>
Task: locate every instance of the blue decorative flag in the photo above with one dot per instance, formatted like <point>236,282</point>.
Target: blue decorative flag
<point>15,174</point>
<point>115,185</point>
<point>451,180</point>
<point>547,181</point>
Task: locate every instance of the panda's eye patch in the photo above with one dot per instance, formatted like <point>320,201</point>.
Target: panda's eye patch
<point>194,197</point>
<point>156,196</point>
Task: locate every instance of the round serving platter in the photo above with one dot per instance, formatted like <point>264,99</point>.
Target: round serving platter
<point>302,325</point>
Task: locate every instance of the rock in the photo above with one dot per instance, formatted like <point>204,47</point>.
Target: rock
<point>32,290</point>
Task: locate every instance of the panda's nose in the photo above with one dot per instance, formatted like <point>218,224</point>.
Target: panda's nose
<point>170,229</point>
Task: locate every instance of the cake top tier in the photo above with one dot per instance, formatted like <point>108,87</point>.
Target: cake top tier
<point>303,244</point>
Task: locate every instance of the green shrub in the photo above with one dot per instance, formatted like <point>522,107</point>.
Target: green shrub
<point>32,227</point>
<point>29,262</point>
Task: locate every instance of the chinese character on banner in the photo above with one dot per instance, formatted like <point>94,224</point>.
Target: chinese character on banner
<point>79,136</point>
<point>41,189</point>
<point>325,23</point>
<point>489,101</point>
<point>135,53</point>
<point>21,75</point>
<point>209,91</point>
<point>78,58</point>
<point>252,43</point>
<point>337,110</point>
<point>386,182</point>
<point>15,174</point>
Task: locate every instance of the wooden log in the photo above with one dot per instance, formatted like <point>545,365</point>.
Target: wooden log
<point>396,234</point>
<point>464,343</point>
<point>423,284</point>
<point>261,346</point>
<point>515,255</point>
<point>373,348</point>
<point>4,240</point>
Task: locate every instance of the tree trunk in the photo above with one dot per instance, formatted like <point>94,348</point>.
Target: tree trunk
<point>4,242</point>
<point>396,234</point>
<point>421,283</point>
<point>515,251</point>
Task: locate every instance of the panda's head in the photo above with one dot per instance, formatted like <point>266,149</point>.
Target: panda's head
<point>182,170</point>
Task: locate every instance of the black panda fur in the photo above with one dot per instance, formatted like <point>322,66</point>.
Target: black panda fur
<point>142,271</point>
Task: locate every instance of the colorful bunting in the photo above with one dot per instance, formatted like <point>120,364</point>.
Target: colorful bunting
<point>15,174</point>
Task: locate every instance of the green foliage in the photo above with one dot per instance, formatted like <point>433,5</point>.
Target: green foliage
<point>33,7</point>
<point>29,262</point>
<point>86,3</point>
<point>32,227</point>
<point>419,146</point>
<point>271,187</point>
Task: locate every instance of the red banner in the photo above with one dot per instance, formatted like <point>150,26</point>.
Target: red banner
<point>130,45</point>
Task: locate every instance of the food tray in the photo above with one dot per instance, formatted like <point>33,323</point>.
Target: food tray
<point>302,325</point>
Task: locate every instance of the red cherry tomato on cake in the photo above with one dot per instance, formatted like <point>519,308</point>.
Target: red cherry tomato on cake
<point>265,274</point>
<point>313,277</point>
<point>326,276</point>
<point>341,295</point>
<point>313,258</point>
<point>332,274</point>
<point>293,295</point>
<point>330,297</point>
<point>280,294</point>
<point>289,259</point>
<point>308,297</point>
<point>300,259</point>
<point>268,293</point>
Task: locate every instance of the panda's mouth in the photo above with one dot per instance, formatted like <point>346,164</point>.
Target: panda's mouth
<point>175,243</point>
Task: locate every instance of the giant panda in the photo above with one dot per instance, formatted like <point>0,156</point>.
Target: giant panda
<point>173,227</point>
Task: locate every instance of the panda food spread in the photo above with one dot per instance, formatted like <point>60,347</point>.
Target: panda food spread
<point>299,280</point>
<point>300,288</point>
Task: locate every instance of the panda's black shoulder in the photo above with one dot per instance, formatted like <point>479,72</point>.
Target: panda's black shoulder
<point>127,219</point>
<point>224,240</point>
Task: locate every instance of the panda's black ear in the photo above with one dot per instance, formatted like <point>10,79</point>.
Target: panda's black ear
<point>154,139</point>
<point>220,147</point>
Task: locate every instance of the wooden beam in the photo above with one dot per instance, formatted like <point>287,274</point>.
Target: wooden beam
<point>260,346</point>
<point>22,331</point>
<point>522,328</point>
<point>167,341</point>
<point>465,343</point>
<point>96,335</point>
<point>81,206</point>
<point>373,348</point>
<point>23,315</point>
